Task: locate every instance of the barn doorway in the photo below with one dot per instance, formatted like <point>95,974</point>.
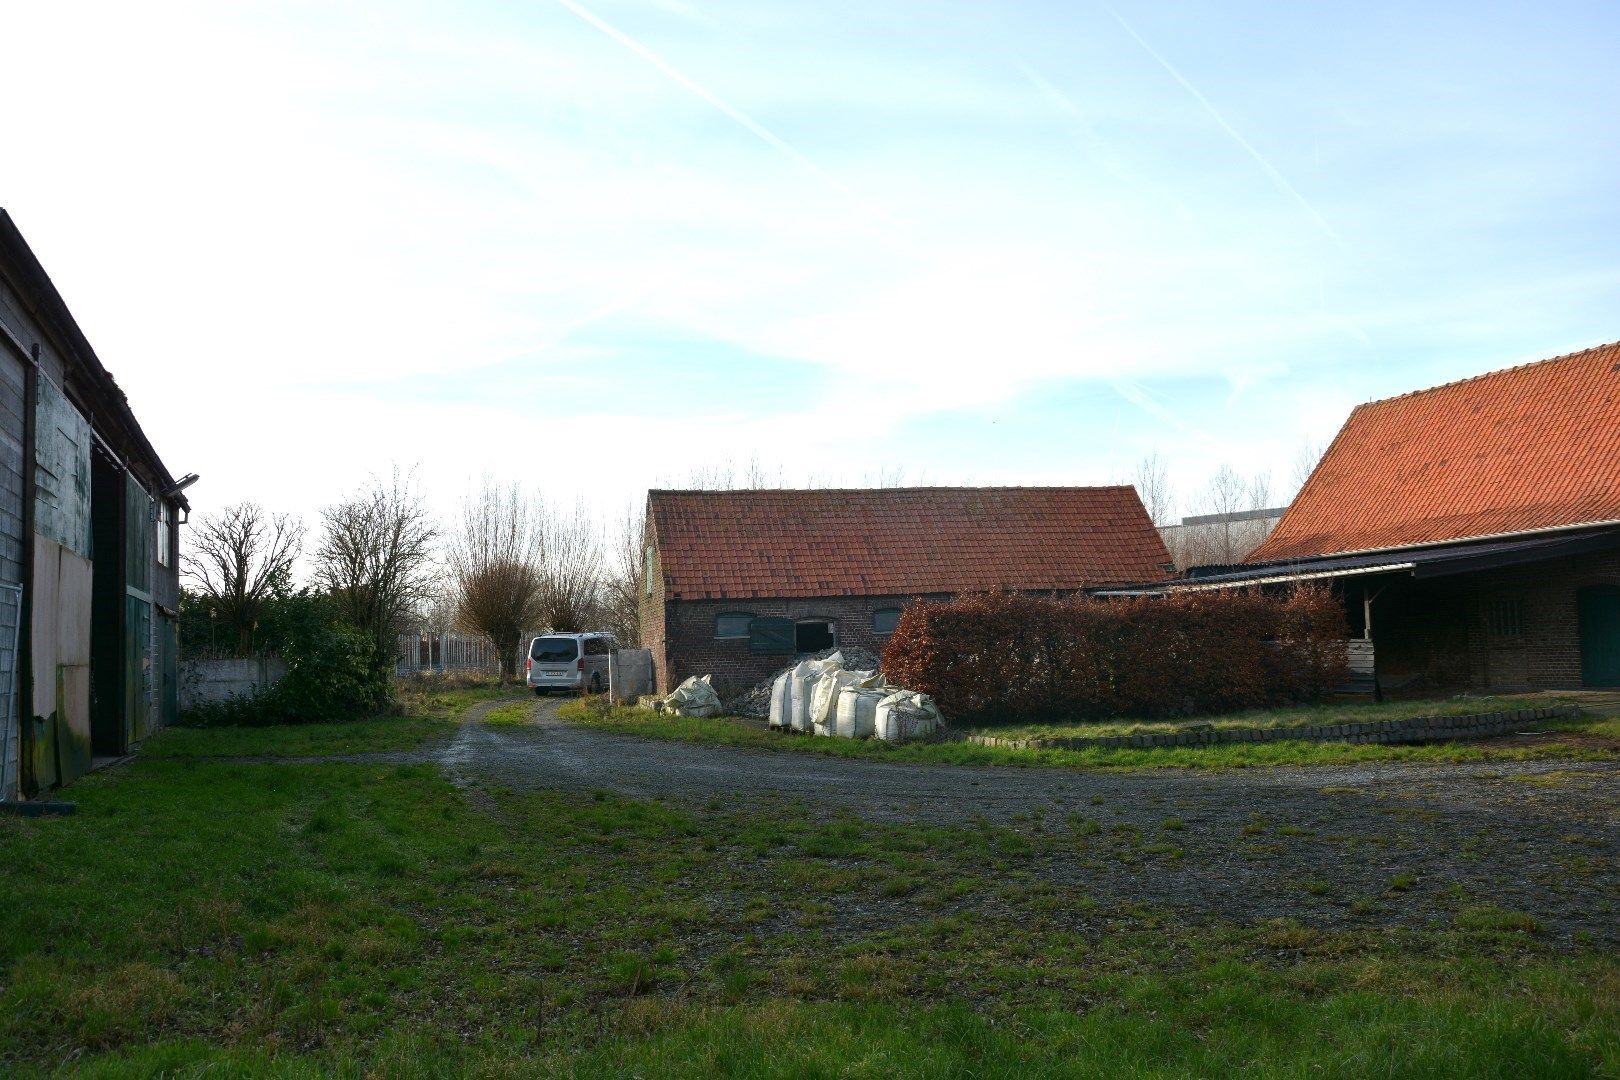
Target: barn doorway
<point>813,635</point>
<point>1599,619</point>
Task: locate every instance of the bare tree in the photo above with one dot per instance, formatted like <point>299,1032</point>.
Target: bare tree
<point>1230,499</point>
<point>237,558</point>
<point>1305,462</point>
<point>624,580</point>
<point>571,569</point>
<point>1152,482</point>
<point>496,569</point>
<point>377,557</point>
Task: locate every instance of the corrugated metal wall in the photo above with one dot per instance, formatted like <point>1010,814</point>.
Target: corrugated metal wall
<point>13,398</point>
<point>139,675</point>
<point>59,637</point>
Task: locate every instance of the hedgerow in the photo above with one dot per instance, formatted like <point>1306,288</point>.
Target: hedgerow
<point>1019,657</point>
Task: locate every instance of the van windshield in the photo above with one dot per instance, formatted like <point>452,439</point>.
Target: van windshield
<point>554,650</point>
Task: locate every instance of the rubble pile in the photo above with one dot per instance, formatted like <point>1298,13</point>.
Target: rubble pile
<point>756,700</point>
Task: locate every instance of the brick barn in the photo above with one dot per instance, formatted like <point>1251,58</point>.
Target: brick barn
<point>1472,528</point>
<point>739,582</point>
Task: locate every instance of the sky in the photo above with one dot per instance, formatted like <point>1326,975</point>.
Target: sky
<point>593,247</point>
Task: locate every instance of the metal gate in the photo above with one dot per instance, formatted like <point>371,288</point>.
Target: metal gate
<point>10,743</point>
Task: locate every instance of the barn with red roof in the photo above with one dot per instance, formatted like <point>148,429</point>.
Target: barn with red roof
<point>1473,529</point>
<point>740,582</point>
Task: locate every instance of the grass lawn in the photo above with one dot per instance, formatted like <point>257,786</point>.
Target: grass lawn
<point>1590,739</point>
<point>1296,716</point>
<point>429,712</point>
<point>202,917</point>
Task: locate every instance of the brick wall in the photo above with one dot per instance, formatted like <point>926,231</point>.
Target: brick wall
<point>1435,635</point>
<point>688,646</point>
<point>1546,655</point>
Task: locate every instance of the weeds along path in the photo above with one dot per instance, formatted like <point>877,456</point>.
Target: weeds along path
<point>1540,837</point>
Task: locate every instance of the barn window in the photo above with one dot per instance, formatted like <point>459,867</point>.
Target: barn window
<point>884,620</point>
<point>732,624</point>
<point>1504,619</point>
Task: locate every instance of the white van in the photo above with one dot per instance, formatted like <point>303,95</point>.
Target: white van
<point>577,663</point>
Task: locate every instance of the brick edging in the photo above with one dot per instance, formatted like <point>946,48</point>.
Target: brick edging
<point>1412,729</point>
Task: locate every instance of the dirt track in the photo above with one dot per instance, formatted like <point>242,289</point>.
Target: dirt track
<point>1536,837</point>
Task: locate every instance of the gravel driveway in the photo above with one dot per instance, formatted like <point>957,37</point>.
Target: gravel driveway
<point>1322,844</point>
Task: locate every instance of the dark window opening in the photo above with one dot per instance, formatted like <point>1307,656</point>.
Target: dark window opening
<point>597,646</point>
<point>733,624</point>
<point>812,636</point>
<point>884,620</point>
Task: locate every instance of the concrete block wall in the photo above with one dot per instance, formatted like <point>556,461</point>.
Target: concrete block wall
<point>205,682</point>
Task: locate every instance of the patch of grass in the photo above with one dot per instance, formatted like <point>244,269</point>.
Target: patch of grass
<point>1403,882</point>
<point>727,731</point>
<point>1488,917</point>
<point>517,714</point>
<point>427,713</point>
<point>1172,824</point>
<point>204,917</point>
<point>1335,713</point>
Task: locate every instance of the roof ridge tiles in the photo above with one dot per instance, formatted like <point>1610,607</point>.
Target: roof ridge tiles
<point>1511,368</point>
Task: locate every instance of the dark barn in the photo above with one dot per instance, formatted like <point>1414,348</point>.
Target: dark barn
<point>89,589</point>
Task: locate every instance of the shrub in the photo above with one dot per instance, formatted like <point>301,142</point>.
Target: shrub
<point>332,672</point>
<point>1023,657</point>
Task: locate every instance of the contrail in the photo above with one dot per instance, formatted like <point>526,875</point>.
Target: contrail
<point>753,126</point>
<point>1277,178</point>
<point>1139,396</point>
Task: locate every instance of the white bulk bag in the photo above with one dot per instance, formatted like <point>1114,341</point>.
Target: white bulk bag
<point>694,697</point>
<point>857,711</point>
<point>905,715</point>
<point>781,714</point>
<point>824,699</point>
<point>805,677</point>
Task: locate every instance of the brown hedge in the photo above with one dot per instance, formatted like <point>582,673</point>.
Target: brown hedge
<point>1017,657</point>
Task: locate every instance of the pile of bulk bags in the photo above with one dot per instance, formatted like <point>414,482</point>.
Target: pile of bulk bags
<point>825,697</point>
<point>694,697</point>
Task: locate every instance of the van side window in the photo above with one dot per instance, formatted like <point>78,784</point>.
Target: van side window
<point>596,646</point>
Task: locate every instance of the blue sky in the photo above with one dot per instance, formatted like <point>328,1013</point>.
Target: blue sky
<point>986,243</point>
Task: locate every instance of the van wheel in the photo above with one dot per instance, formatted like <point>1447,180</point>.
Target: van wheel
<point>539,691</point>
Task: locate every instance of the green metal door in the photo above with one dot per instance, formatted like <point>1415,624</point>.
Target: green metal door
<point>137,669</point>
<point>1600,635</point>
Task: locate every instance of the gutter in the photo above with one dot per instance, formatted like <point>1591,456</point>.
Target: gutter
<point>1545,531</point>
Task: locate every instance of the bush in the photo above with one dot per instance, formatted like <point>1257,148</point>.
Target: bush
<point>1018,657</point>
<point>332,672</point>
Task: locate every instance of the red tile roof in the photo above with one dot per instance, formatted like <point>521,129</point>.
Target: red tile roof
<point>1531,447</point>
<point>902,541</point>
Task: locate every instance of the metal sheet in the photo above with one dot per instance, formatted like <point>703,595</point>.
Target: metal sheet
<point>61,471</point>
<point>10,738</point>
